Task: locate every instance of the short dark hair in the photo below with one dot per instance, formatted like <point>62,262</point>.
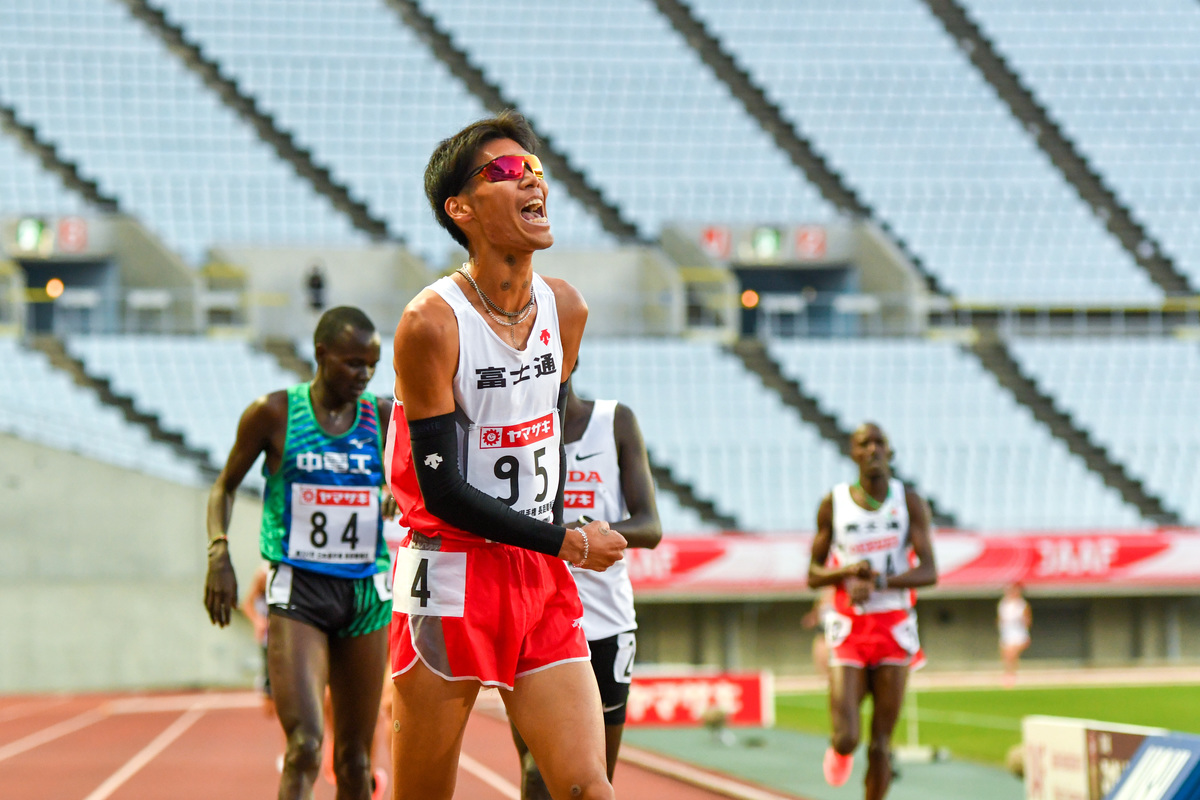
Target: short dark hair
<point>453,158</point>
<point>336,320</point>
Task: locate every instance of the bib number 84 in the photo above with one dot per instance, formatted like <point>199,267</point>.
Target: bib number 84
<point>320,537</point>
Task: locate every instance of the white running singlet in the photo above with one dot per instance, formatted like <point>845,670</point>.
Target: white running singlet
<point>594,488</point>
<point>1011,613</point>
<point>506,404</point>
<point>879,536</point>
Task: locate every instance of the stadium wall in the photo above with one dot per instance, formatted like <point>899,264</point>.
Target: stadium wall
<point>102,586</point>
<point>630,291</point>
<point>956,633</point>
<point>102,582</point>
<point>378,279</point>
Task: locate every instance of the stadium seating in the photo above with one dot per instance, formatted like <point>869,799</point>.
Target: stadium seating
<point>882,91</point>
<point>351,82</point>
<point>1120,79</point>
<point>957,434</point>
<point>717,428</point>
<point>1139,399</point>
<point>101,88</point>
<point>635,108</point>
<point>197,387</point>
<point>29,189</point>
<point>43,405</point>
<point>679,520</point>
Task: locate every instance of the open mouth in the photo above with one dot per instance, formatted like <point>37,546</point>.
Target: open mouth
<point>534,211</point>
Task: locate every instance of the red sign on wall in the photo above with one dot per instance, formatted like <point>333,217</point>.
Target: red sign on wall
<point>72,235</point>
<point>717,241</point>
<point>810,242</point>
<point>779,563</point>
<point>745,698</point>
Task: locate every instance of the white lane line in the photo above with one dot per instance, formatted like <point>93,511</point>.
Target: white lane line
<point>18,710</point>
<point>492,779</point>
<point>969,719</point>
<point>705,780</point>
<point>185,702</point>
<point>53,732</point>
<point>146,755</point>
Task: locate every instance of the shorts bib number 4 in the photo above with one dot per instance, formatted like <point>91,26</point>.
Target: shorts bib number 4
<point>429,583</point>
<point>333,524</point>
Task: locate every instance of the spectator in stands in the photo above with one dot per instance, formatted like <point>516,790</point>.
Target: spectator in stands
<point>873,546</point>
<point>608,477</point>
<point>328,593</point>
<point>1013,617</point>
<point>485,597</point>
<point>316,288</point>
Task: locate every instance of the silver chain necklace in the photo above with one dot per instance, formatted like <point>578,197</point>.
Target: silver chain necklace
<point>488,301</point>
<point>515,317</point>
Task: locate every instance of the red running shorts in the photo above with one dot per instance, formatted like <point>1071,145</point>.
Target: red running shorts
<point>484,611</point>
<point>872,640</point>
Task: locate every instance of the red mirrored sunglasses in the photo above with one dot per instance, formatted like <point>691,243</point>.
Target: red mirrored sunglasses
<point>507,168</point>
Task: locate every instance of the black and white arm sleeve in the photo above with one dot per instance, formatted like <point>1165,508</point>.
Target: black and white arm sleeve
<point>447,494</point>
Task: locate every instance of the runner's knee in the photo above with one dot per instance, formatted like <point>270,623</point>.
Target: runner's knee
<point>880,748</point>
<point>844,742</point>
<point>304,750</point>
<point>352,761</point>
<point>599,789</point>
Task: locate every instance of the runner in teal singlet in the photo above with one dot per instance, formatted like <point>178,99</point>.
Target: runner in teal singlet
<point>328,591</point>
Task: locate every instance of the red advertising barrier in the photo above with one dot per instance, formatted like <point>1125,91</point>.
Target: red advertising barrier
<point>748,563</point>
<point>745,698</point>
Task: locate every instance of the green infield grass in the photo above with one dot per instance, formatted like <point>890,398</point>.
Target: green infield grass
<point>983,724</point>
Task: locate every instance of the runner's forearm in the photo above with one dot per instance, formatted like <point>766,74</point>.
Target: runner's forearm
<point>448,496</point>
<point>640,530</point>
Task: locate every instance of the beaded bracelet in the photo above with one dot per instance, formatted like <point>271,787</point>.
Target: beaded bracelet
<point>581,561</point>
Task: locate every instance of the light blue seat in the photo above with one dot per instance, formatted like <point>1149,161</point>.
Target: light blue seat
<point>959,436</point>
<point>1120,80</point>
<point>884,94</point>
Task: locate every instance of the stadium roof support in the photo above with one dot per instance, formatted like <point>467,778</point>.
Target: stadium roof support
<point>264,124</point>
<point>995,357</point>
<point>753,353</point>
<point>788,139</point>
<point>47,154</point>
<point>1061,151</point>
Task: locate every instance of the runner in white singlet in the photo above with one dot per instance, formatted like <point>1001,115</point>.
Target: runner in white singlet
<point>873,546</point>
<point>608,477</point>
<point>475,462</point>
<point>1013,617</point>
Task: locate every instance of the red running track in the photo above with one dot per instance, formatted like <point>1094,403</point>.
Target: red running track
<point>206,745</point>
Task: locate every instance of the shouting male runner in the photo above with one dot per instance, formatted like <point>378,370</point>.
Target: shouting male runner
<point>873,545</point>
<point>476,465</point>
<point>608,477</point>
<point>328,590</point>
